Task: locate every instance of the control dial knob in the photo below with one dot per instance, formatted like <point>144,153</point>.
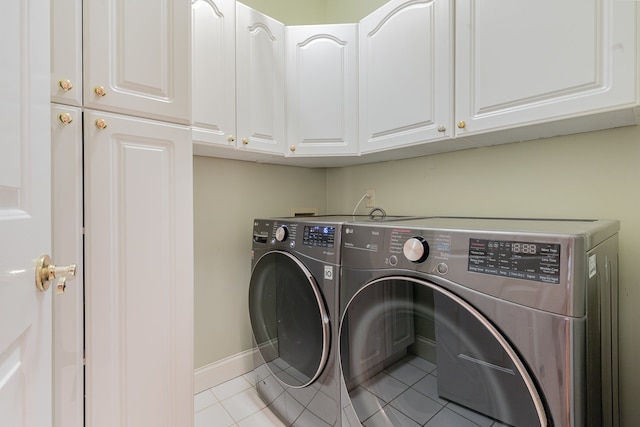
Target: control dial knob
<point>282,233</point>
<point>416,249</point>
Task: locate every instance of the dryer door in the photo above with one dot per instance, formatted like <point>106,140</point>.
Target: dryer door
<point>418,354</point>
<point>289,319</point>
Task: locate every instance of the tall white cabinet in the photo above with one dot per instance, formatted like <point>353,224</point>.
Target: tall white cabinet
<point>129,114</point>
<point>138,272</point>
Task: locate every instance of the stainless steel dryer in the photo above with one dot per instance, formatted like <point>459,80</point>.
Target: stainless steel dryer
<point>471,321</point>
<point>293,299</point>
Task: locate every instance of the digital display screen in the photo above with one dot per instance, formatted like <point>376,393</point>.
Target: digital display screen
<point>319,235</point>
<point>520,260</point>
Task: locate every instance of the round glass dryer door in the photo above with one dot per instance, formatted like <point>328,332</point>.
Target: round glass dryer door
<point>421,355</point>
<point>289,319</point>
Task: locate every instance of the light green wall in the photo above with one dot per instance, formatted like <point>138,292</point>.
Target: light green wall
<point>228,195</point>
<point>307,12</point>
<point>291,12</point>
<point>592,175</point>
<point>350,11</point>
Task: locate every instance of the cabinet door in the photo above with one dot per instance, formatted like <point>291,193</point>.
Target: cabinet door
<point>138,272</point>
<point>523,63</point>
<point>66,52</point>
<point>405,63</point>
<point>368,334</point>
<point>137,58</point>
<point>322,90</point>
<point>399,322</point>
<point>67,238</point>
<point>260,82</point>
<point>214,68</point>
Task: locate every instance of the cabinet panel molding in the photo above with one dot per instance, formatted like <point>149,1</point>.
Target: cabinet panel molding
<point>322,90</point>
<point>137,58</point>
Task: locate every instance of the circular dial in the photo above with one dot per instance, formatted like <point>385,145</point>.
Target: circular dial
<point>416,249</point>
<point>282,233</point>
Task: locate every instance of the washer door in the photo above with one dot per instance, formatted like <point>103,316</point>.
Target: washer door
<point>289,319</point>
<point>427,357</point>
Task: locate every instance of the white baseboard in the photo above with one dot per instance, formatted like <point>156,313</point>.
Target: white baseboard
<point>238,364</point>
<point>223,370</point>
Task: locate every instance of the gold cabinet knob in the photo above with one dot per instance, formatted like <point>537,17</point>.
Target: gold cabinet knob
<point>65,118</point>
<point>231,138</point>
<point>461,124</point>
<point>99,90</point>
<point>442,129</point>
<point>65,85</point>
<point>101,124</point>
<point>292,148</point>
<point>245,141</point>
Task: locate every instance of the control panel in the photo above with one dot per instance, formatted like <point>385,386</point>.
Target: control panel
<point>521,260</point>
<point>323,236</point>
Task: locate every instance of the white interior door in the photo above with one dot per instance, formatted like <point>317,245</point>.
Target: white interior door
<point>25,214</point>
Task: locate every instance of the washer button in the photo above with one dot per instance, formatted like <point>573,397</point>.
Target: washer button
<point>393,260</point>
<point>442,268</point>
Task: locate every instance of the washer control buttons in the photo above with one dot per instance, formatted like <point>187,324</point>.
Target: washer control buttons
<point>393,260</point>
<point>442,268</point>
<point>282,233</point>
<point>416,249</point>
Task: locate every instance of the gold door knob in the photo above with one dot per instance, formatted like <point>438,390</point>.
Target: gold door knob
<point>47,272</point>
<point>65,85</point>
<point>292,148</point>
<point>99,90</point>
<point>101,124</point>
<point>245,141</point>
<point>231,138</point>
<point>65,118</point>
<point>461,124</point>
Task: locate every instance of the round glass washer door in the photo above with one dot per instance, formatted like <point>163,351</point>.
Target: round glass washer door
<point>475,366</point>
<point>289,319</point>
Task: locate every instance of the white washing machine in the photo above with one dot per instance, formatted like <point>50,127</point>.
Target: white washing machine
<point>480,321</point>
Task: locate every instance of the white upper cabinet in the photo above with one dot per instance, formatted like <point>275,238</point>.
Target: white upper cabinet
<point>137,58</point>
<point>520,72</point>
<point>214,68</point>
<point>260,74</point>
<point>66,52</point>
<point>522,63</point>
<point>322,90</point>
<point>406,89</point>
